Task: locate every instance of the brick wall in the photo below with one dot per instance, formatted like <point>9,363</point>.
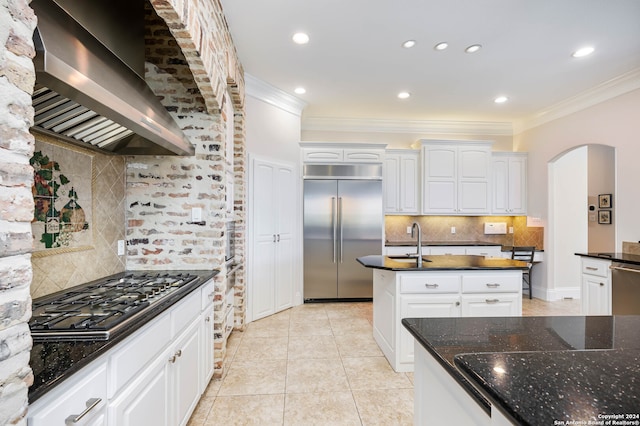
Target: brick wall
<point>192,66</point>
<point>16,206</point>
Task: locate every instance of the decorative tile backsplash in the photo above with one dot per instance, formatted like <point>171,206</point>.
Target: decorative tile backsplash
<point>467,228</point>
<point>63,267</point>
<point>631,248</point>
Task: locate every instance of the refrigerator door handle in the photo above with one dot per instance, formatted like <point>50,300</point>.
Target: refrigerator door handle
<point>340,222</point>
<point>334,215</point>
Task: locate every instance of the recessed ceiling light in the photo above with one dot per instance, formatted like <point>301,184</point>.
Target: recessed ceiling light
<point>441,46</point>
<point>585,51</point>
<point>473,48</point>
<point>300,90</point>
<point>300,38</point>
<point>501,99</point>
<point>404,95</point>
<point>409,44</point>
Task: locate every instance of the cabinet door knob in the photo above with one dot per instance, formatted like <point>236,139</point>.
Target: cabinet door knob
<point>457,303</point>
<point>601,284</point>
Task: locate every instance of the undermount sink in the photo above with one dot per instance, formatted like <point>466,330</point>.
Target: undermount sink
<point>408,258</point>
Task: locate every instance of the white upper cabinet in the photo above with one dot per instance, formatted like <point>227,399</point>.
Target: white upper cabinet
<point>326,152</point>
<point>401,181</point>
<point>456,177</point>
<point>509,177</point>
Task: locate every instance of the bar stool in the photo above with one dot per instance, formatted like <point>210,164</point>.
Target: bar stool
<point>525,254</point>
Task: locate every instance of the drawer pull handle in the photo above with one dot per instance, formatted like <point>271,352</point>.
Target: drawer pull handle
<point>492,300</point>
<point>493,285</point>
<point>591,268</point>
<point>91,404</point>
<point>175,356</point>
<point>427,285</point>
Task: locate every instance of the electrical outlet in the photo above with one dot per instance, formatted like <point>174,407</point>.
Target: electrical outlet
<point>408,229</point>
<point>120,247</point>
<point>511,229</point>
<point>453,229</point>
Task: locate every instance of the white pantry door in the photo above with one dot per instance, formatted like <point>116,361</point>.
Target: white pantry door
<point>272,207</point>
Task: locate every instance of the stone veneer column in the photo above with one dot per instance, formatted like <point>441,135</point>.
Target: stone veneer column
<point>17,77</point>
<point>194,68</point>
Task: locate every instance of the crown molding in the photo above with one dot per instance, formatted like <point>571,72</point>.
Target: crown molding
<point>610,89</point>
<point>265,92</point>
<point>439,127</point>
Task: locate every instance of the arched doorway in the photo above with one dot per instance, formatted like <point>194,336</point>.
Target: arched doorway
<point>576,178</point>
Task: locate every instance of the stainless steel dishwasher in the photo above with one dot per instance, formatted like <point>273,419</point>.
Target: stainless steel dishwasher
<point>625,289</point>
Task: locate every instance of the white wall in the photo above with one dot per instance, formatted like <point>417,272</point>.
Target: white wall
<point>601,181</point>
<point>567,224</point>
<point>614,122</point>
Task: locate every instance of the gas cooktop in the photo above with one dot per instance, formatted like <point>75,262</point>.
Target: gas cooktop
<point>97,310</point>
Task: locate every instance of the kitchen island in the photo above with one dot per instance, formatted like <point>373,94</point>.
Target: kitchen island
<point>527,370</point>
<point>441,286</point>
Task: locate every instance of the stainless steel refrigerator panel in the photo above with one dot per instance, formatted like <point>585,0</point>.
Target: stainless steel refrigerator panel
<point>360,234</point>
<point>320,239</point>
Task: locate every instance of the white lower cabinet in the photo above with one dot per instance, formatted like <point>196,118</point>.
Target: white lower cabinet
<point>491,305</point>
<point>398,295</point>
<point>83,403</point>
<point>431,306</point>
<point>154,377</point>
<point>596,286</point>
<point>144,401</point>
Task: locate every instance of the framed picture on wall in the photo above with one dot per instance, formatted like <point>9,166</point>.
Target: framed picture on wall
<point>604,217</point>
<point>604,201</point>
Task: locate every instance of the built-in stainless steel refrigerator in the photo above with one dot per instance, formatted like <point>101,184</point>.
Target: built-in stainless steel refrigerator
<point>343,220</point>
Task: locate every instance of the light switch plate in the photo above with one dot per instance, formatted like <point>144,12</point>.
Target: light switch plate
<point>408,229</point>
<point>196,214</point>
<point>120,247</point>
<point>453,229</point>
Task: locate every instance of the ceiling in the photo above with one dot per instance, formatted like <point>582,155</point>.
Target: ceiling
<point>354,65</point>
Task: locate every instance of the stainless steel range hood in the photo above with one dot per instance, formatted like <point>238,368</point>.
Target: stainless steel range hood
<point>87,95</point>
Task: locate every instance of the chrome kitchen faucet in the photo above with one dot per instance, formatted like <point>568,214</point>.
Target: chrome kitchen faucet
<point>419,242</point>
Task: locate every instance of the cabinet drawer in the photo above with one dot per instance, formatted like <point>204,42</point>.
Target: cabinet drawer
<point>185,312</point>
<point>206,294</point>
<point>449,250</point>
<point>138,351</point>
<point>492,283</point>
<point>430,283</point>
<point>86,392</point>
<point>595,267</point>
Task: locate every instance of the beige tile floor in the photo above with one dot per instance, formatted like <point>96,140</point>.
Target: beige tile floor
<point>317,364</point>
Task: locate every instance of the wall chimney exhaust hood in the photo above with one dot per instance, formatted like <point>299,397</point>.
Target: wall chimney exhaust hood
<point>87,95</point>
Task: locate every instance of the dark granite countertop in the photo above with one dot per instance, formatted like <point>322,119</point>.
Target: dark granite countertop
<point>54,361</point>
<point>558,368</point>
<point>633,259</point>
<point>440,263</point>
